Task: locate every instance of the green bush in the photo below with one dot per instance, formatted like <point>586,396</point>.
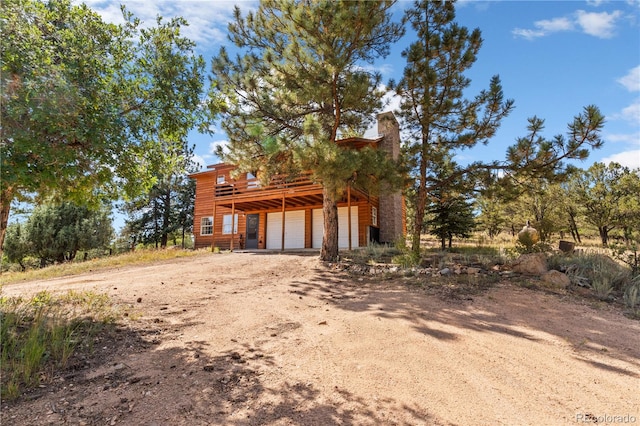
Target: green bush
<point>406,260</point>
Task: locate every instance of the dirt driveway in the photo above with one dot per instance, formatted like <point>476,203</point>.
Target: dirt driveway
<point>281,339</point>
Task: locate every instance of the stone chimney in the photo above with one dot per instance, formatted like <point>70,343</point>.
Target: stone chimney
<point>391,211</point>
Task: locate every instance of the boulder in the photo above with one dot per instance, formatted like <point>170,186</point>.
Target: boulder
<point>556,279</point>
<point>531,264</point>
<point>528,236</point>
<point>445,271</point>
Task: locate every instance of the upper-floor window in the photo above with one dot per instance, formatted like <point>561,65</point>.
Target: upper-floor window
<point>221,179</point>
<point>374,216</point>
<point>206,226</point>
<point>226,224</point>
<point>252,182</point>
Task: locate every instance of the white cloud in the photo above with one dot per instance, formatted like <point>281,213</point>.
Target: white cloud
<point>528,34</point>
<point>391,101</point>
<point>628,138</point>
<point>478,5</point>
<point>554,25</point>
<point>207,20</point>
<point>629,159</point>
<point>200,162</point>
<point>109,11</point>
<point>631,81</point>
<point>632,113</point>
<point>213,146</point>
<point>545,27</point>
<point>601,25</point>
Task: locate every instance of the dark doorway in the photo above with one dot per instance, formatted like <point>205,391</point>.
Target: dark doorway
<point>374,234</point>
<point>253,222</point>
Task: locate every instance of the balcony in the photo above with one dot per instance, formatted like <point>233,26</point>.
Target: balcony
<point>249,194</point>
<point>294,192</point>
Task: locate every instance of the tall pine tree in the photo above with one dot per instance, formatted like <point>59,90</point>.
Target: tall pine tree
<point>441,121</point>
<point>438,117</point>
<point>300,86</point>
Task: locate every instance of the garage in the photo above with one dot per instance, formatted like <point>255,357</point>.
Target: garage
<point>293,231</point>
<point>343,230</point>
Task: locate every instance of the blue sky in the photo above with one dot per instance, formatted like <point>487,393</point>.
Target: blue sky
<point>553,57</point>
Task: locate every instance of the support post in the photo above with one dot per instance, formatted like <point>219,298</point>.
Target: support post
<point>213,218</point>
<point>233,223</point>
<point>283,206</point>
<point>349,213</point>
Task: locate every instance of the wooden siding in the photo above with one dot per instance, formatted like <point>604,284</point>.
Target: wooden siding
<point>246,197</point>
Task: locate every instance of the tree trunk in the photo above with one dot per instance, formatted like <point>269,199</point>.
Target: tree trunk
<point>166,211</point>
<point>155,222</point>
<point>574,226</point>
<point>604,235</point>
<point>5,207</point>
<point>329,251</point>
<point>421,205</point>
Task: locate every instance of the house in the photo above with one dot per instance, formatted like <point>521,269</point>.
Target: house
<point>287,213</point>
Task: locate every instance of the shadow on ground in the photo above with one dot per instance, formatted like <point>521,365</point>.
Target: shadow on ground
<point>129,379</point>
<point>523,313</point>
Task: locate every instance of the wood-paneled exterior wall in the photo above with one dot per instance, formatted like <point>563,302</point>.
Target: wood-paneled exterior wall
<point>218,194</point>
<point>216,200</point>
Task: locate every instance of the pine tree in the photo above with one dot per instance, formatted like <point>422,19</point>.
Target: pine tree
<point>433,108</point>
<point>300,86</point>
<point>449,213</point>
<point>441,121</point>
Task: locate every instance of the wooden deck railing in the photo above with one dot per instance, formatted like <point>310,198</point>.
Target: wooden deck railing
<point>253,188</point>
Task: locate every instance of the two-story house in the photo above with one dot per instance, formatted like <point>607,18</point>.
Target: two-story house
<point>287,213</point>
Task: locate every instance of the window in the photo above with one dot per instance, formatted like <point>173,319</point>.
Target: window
<point>374,216</point>
<point>221,179</point>
<point>206,226</point>
<point>252,182</point>
<point>226,224</point>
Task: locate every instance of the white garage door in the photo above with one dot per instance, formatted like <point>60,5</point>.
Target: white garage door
<point>343,230</point>
<point>293,231</point>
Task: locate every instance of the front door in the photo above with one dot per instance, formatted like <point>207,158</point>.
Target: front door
<point>253,220</point>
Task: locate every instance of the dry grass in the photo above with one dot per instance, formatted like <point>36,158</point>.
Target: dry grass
<point>133,258</point>
<point>40,335</point>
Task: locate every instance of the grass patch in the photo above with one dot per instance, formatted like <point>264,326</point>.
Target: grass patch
<point>458,287</point>
<point>372,254</point>
<point>132,258</point>
<point>632,298</point>
<point>39,335</point>
<point>592,269</point>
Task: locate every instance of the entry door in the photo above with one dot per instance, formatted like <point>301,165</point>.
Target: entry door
<point>253,222</point>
